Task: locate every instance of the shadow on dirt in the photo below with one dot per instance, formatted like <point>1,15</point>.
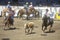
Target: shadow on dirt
<point>5,39</point>
<point>11,28</point>
<point>44,34</point>
<point>31,33</point>
<point>53,31</point>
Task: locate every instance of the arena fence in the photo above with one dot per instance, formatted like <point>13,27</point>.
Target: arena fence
<point>41,10</point>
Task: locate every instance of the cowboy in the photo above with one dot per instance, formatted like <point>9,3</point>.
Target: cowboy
<point>47,14</point>
<point>11,14</point>
<point>26,6</point>
<point>31,5</point>
<point>8,5</point>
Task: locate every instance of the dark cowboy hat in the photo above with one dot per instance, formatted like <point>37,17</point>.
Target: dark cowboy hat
<point>47,10</point>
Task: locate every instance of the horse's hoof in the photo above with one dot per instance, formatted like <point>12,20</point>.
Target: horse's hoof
<point>4,29</point>
<point>50,30</point>
<point>30,33</point>
<point>44,31</point>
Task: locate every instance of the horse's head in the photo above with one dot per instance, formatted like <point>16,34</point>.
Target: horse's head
<point>5,10</point>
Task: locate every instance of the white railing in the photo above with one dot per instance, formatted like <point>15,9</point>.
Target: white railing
<point>54,9</point>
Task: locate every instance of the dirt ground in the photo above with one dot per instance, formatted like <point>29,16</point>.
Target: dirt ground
<point>19,34</point>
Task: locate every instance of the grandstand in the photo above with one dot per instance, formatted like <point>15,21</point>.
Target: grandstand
<point>35,2</point>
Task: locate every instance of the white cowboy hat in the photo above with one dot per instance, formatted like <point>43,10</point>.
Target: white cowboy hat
<point>8,2</point>
<point>26,2</point>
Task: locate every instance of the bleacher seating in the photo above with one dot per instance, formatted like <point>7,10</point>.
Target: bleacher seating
<point>35,2</point>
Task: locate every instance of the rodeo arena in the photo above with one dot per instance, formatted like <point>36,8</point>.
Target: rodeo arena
<point>29,19</point>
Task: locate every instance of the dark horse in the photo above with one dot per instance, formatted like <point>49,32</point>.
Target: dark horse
<point>46,22</point>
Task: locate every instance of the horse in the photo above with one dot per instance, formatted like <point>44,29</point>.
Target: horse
<point>4,11</point>
<point>23,11</point>
<point>8,20</point>
<point>46,22</point>
<point>28,12</point>
<point>35,12</point>
<point>29,27</point>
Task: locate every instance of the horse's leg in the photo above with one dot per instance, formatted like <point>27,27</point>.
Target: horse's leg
<point>38,15</point>
<point>27,17</point>
<point>50,27</point>
<point>35,15</point>
<point>5,22</point>
<point>5,25</point>
<point>45,28</point>
<point>12,23</point>
<point>42,27</point>
<point>20,16</point>
<point>8,25</point>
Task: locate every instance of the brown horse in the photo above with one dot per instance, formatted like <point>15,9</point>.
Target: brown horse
<point>8,20</point>
<point>4,11</point>
<point>23,11</point>
<point>36,12</point>
<point>30,11</point>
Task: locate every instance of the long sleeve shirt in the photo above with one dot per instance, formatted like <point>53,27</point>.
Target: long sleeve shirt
<point>8,6</point>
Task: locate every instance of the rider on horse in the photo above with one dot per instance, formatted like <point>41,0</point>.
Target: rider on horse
<point>48,15</point>
<point>47,20</point>
<point>26,6</point>
<point>10,15</point>
<point>11,12</point>
<point>31,5</point>
<point>8,5</point>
